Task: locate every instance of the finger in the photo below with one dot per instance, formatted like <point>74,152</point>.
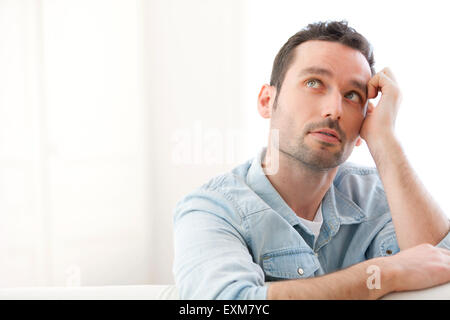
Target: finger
<point>446,259</point>
<point>388,72</point>
<point>368,108</point>
<point>444,251</point>
<point>377,83</point>
<point>373,86</point>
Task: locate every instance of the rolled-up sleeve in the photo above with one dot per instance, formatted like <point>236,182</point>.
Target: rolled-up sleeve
<point>445,242</point>
<point>384,243</point>
<point>211,258</point>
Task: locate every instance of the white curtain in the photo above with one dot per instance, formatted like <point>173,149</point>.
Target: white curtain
<point>93,97</point>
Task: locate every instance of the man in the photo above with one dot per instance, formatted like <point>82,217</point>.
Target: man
<point>297,212</point>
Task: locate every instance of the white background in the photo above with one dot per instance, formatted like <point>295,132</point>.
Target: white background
<point>111,111</point>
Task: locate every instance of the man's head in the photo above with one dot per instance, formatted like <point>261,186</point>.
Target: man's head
<point>318,89</point>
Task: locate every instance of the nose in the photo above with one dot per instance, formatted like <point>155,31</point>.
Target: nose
<point>332,107</point>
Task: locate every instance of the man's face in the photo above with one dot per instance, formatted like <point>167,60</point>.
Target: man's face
<point>320,107</point>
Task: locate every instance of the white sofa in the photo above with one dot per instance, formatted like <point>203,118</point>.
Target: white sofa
<point>164,292</point>
<point>137,292</point>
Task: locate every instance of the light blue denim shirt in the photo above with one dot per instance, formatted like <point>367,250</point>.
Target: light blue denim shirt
<point>235,233</point>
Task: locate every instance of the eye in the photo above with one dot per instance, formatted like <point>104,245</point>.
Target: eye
<point>355,97</point>
<point>313,83</point>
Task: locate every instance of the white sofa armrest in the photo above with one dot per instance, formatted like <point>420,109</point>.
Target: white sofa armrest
<point>165,292</point>
<point>138,292</point>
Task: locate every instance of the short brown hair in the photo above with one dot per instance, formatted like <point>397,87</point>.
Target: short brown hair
<point>335,31</point>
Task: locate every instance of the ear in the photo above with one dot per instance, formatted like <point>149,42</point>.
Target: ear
<point>358,142</point>
<point>265,101</point>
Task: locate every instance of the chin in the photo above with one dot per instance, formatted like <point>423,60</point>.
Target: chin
<point>322,159</point>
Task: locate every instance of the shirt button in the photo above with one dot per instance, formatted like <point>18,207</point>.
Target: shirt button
<point>300,271</point>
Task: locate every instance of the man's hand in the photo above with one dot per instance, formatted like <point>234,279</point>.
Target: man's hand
<point>421,267</point>
<point>380,120</point>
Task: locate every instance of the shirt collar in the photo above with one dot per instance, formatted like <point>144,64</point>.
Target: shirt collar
<point>336,208</point>
<point>258,182</point>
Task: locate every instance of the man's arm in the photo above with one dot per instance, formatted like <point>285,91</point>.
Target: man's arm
<point>350,283</point>
<point>211,258</point>
<point>417,268</point>
<point>416,216</point>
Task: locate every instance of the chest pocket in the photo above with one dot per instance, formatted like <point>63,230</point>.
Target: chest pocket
<point>295,263</point>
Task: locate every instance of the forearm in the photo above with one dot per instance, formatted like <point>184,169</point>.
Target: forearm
<point>350,283</point>
<point>416,216</point>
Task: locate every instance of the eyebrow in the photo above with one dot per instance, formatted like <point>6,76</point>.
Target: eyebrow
<point>360,85</point>
<point>325,72</point>
<point>315,70</point>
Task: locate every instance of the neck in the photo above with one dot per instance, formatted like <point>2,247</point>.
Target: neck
<point>300,186</point>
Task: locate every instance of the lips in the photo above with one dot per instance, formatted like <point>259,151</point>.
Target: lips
<point>328,132</point>
<point>327,135</point>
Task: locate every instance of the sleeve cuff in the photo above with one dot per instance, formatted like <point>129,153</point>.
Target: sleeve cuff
<point>445,243</point>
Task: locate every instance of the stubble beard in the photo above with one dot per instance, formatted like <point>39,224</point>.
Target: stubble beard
<point>321,159</point>
<point>317,158</point>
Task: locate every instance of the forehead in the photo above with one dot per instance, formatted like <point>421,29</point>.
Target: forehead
<point>344,62</point>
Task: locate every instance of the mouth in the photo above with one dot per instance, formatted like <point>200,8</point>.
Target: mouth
<point>326,135</point>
